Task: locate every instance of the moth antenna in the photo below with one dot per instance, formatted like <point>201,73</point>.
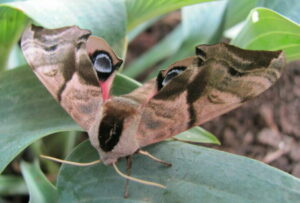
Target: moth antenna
<point>136,179</point>
<point>69,162</point>
<point>145,153</point>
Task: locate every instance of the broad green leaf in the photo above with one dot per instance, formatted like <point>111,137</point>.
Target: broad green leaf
<point>197,174</point>
<point>106,19</point>
<point>288,8</point>
<point>12,185</point>
<point>237,11</point>
<point>12,24</point>
<point>124,84</point>
<point>199,25</point>
<point>140,11</point>
<point>267,30</point>
<point>198,135</point>
<point>40,189</point>
<point>27,112</point>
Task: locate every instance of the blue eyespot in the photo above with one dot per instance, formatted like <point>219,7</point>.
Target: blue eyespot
<point>171,74</point>
<point>103,63</point>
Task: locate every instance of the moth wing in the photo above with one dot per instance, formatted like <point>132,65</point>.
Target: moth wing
<point>61,60</point>
<point>218,79</point>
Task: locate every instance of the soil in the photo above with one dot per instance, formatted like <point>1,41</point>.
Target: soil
<point>266,128</point>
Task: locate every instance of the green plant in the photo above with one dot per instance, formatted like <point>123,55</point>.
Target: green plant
<point>28,113</point>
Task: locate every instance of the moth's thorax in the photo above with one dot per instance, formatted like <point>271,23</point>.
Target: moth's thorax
<point>114,132</point>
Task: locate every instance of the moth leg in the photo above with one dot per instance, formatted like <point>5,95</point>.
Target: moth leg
<point>145,153</point>
<point>128,170</point>
<point>136,179</point>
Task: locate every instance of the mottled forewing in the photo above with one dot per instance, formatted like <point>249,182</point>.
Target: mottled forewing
<point>60,60</point>
<point>218,79</point>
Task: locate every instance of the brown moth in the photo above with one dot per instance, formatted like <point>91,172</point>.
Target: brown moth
<point>78,70</point>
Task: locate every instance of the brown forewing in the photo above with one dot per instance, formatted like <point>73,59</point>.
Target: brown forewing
<point>60,60</point>
<point>218,79</point>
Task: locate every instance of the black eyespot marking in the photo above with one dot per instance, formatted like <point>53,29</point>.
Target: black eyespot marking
<point>84,37</point>
<point>163,81</point>
<point>51,48</point>
<point>200,52</point>
<point>110,130</point>
<point>233,72</point>
<point>103,64</point>
<point>200,62</point>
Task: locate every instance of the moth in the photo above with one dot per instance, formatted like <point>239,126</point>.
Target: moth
<point>78,70</point>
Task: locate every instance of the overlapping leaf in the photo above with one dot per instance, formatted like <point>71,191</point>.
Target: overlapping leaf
<point>267,30</point>
<point>40,189</point>
<point>198,174</point>
<point>106,19</point>
<point>140,11</point>
<point>12,23</point>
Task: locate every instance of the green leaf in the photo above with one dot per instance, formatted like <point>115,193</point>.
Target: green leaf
<point>288,8</point>
<point>124,84</point>
<point>40,189</point>
<point>237,11</point>
<point>88,14</point>
<point>198,135</point>
<point>140,11</point>
<point>12,24</point>
<point>197,173</point>
<point>267,30</point>
<point>199,25</point>
<point>28,112</point>
<point>12,185</point>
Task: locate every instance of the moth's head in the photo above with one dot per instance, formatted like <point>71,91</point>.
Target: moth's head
<point>113,134</point>
<point>105,63</point>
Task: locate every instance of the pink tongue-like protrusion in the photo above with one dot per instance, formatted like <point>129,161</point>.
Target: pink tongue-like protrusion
<point>105,88</point>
